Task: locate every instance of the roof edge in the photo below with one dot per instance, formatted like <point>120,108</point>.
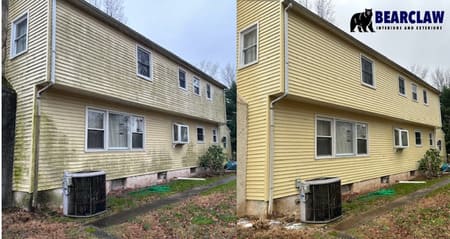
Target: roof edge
<point>298,8</point>
<point>141,39</point>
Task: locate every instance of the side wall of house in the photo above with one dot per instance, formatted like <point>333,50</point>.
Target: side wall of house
<point>325,68</point>
<point>63,138</point>
<point>23,72</point>
<point>295,127</point>
<point>255,83</point>
<point>95,57</point>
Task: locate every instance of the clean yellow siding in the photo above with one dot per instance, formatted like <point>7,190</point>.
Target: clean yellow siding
<point>95,57</point>
<point>327,69</point>
<point>295,148</point>
<point>23,72</point>
<point>63,141</point>
<point>256,82</point>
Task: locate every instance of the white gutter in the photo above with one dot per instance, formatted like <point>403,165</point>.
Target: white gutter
<point>272,104</point>
<point>38,104</point>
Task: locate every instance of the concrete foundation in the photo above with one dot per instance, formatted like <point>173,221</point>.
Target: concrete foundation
<point>53,198</point>
<point>287,206</point>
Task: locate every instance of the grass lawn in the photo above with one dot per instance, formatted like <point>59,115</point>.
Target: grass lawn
<point>209,215</point>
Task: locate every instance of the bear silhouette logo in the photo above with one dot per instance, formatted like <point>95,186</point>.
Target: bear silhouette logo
<point>362,20</point>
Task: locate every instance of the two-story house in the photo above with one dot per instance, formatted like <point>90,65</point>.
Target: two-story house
<point>316,102</point>
<point>93,94</point>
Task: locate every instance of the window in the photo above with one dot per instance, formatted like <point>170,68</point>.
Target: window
<point>200,135</point>
<point>401,86</point>
<point>367,71</point>
<point>96,129</point>
<point>118,131</point>
<point>122,131</point>
<point>361,137</point>
<point>196,84</point>
<point>208,91</point>
<point>19,35</point>
<point>143,63</point>
<point>324,138</point>
<point>180,134</point>
<point>414,91</point>
<point>425,98</point>
<point>249,45</point>
<point>344,138</point>
<point>214,131</point>
<point>431,139</point>
<point>439,145</point>
<point>137,132</point>
<point>418,136</point>
<point>401,138</point>
<point>336,137</point>
<point>224,142</point>
<point>182,79</point>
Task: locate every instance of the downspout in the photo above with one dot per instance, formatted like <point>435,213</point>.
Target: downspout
<point>272,104</point>
<point>38,104</point>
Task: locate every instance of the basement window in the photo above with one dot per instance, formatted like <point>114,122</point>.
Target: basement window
<point>401,138</point>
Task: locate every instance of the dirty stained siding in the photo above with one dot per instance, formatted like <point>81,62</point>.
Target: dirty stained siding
<point>255,83</point>
<point>23,72</point>
<point>93,56</point>
<point>63,141</point>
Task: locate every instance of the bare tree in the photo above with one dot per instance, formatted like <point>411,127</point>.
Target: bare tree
<point>325,9</point>
<point>96,3</point>
<point>419,71</point>
<point>228,74</point>
<point>440,78</point>
<point>209,68</point>
<point>114,8</point>
<point>305,3</point>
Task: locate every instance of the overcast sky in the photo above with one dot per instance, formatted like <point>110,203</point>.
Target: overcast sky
<point>199,30</point>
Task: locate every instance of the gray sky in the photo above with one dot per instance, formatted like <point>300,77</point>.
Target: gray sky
<point>199,30</point>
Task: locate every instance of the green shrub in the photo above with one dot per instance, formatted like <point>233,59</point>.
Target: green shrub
<point>213,159</point>
<point>429,165</point>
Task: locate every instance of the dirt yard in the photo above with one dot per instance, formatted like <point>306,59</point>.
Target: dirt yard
<point>212,215</point>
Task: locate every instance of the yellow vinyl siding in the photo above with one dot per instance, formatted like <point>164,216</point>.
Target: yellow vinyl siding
<point>63,141</point>
<point>256,82</point>
<point>295,148</point>
<point>23,72</point>
<point>95,57</point>
<point>324,68</point>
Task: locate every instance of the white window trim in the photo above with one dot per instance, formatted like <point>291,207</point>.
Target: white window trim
<point>200,127</point>
<point>179,126</point>
<point>216,134</point>
<point>211,91</point>
<point>426,93</point>
<point>106,147</point>
<point>431,137</point>
<point>241,45</point>
<point>412,91</point>
<point>421,138</point>
<point>400,138</point>
<point>374,86</point>
<point>25,15</point>
<point>185,79</point>
<point>333,137</point>
<point>404,85</point>
<point>150,63</point>
<point>199,86</point>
